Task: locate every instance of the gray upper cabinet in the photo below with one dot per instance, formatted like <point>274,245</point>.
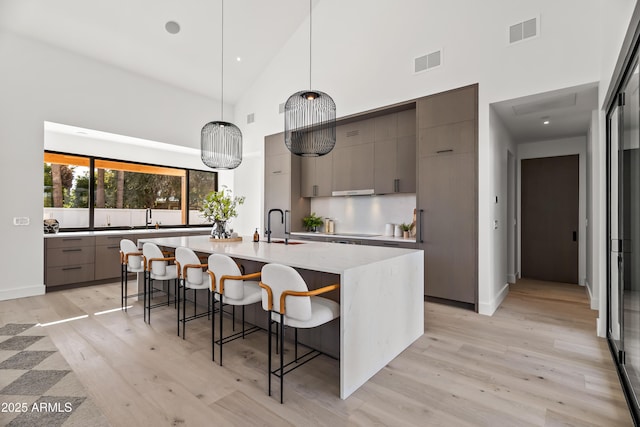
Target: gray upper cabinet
<point>395,153</point>
<point>317,175</point>
<point>282,186</point>
<point>353,167</point>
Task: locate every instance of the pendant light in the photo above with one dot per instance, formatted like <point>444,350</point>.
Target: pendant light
<point>310,119</point>
<point>220,141</point>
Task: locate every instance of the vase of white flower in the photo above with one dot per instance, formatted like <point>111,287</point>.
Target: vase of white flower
<point>219,207</point>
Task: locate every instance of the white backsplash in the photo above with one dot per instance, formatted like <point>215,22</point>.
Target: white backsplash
<point>365,214</point>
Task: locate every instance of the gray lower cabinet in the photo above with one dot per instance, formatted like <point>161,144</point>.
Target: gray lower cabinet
<point>447,194</point>
<point>108,256</point>
<point>69,260</point>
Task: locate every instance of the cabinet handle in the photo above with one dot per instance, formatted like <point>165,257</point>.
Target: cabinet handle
<point>113,247</point>
<point>68,239</point>
<point>396,185</point>
<point>286,232</point>
<point>421,214</point>
<point>276,172</point>
<point>71,268</point>
<point>444,151</point>
<point>72,250</point>
<point>390,244</point>
<point>315,190</point>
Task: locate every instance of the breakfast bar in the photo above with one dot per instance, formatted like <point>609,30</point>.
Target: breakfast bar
<point>381,294</point>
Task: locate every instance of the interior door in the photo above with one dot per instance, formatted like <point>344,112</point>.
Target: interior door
<point>550,196</point>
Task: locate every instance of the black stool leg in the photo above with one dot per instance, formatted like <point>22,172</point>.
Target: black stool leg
<point>281,358</point>
<point>270,322</point>
<point>213,327</point>
<point>221,317</point>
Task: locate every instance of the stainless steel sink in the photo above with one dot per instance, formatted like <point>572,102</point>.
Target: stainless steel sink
<point>290,243</point>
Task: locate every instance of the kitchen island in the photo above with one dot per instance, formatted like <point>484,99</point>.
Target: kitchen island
<point>381,294</point>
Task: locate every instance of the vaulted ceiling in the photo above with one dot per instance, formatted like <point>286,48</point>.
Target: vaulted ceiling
<point>131,34</point>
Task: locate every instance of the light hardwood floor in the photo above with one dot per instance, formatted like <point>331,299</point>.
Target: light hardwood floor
<point>536,362</point>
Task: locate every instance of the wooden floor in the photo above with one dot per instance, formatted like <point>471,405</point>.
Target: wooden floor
<point>536,362</point>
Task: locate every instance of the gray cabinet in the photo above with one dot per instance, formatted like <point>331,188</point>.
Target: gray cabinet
<point>316,176</point>
<point>282,186</point>
<point>108,256</point>
<point>395,153</point>
<point>69,260</point>
<point>447,194</point>
<point>353,167</point>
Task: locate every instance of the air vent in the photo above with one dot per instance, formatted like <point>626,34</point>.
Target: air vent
<point>250,118</point>
<point>427,62</point>
<point>281,108</point>
<point>353,133</point>
<point>523,30</point>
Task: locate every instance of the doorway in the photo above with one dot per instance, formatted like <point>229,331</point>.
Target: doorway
<point>549,215</point>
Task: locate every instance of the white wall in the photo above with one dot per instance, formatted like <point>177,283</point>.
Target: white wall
<point>365,214</point>
<point>40,83</point>
<point>593,176</point>
<point>502,143</point>
<point>363,54</point>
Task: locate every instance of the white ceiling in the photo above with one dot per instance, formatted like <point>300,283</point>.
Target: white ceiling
<point>568,111</point>
<point>131,34</point>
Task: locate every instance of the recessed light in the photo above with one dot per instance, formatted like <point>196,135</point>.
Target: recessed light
<point>238,59</point>
<point>172,27</point>
<point>545,120</point>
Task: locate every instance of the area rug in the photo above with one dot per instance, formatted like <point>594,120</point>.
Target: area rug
<point>37,386</point>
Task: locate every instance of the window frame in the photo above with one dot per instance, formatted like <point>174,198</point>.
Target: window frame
<point>138,167</point>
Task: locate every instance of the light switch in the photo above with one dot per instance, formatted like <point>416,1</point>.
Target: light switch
<point>495,224</point>
<point>20,220</point>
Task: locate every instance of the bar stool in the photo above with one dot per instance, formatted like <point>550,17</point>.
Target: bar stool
<point>157,267</point>
<point>230,287</point>
<point>130,262</point>
<point>290,303</point>
<point>191,276</point>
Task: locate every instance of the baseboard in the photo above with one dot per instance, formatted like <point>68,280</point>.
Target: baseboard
<point>593,301</point>
<point>488,308</point>
<point>511,278</point>
<point>28,291</point>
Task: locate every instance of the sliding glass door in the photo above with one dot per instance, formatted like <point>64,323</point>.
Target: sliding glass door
<point>623,266</point>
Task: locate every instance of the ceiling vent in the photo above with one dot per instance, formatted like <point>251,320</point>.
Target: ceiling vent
<point>251,118</point>
<point>427,62</point>
<point>524,30</point>
<point>281,108</point>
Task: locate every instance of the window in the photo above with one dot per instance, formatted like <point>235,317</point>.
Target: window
<point>122,193</point>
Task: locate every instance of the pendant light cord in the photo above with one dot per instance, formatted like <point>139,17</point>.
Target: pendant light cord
<point>222,64</point>
<point>310,56</point>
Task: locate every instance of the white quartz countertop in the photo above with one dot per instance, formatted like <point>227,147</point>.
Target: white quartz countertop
<point>127,232</point>
<point>356,236</point>
<point>317,256</point>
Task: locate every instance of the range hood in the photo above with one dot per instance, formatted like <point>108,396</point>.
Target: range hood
<point>367,192</point>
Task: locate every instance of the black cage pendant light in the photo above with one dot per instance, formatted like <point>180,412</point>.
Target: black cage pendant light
<point>310,119</point>
<point>220,141</point>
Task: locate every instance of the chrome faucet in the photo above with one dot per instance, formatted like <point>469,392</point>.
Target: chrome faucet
<point>269,222</point>
<point>147,218</point>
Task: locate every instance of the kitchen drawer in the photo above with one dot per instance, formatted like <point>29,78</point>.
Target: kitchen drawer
<point>71,241</point>
<point>58,257</point>
<point>113,240</point>
<point>107,262</point>
<point>450,139</point>
<point>66,275</point>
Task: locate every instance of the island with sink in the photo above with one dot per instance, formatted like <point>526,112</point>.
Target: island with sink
<point>380,296</point>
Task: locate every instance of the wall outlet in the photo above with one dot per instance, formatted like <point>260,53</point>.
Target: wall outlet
<point>21,220</point>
